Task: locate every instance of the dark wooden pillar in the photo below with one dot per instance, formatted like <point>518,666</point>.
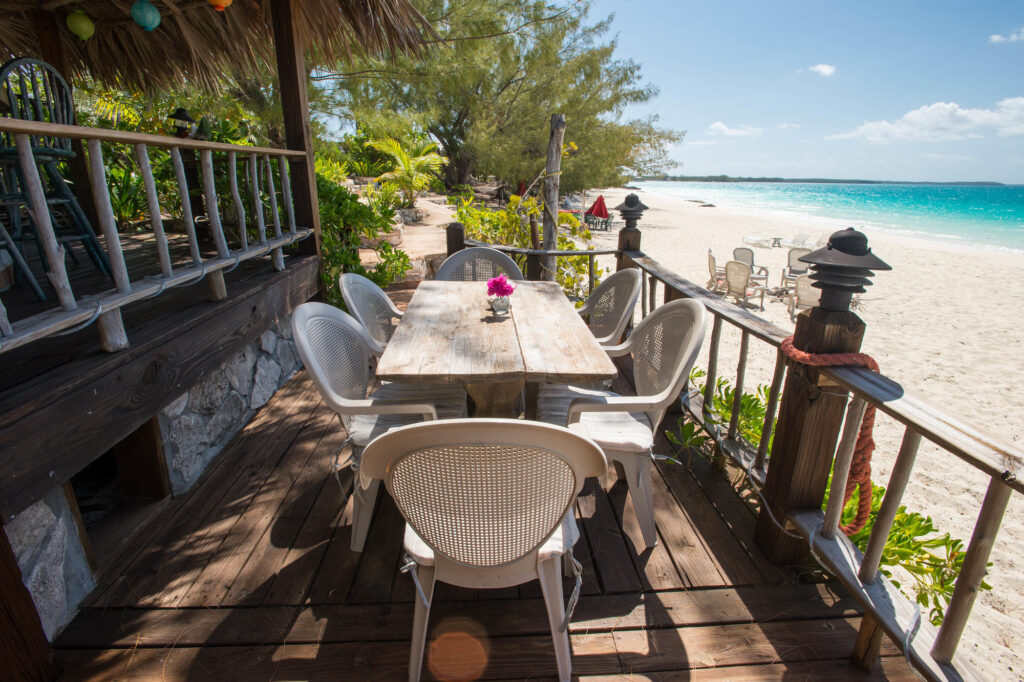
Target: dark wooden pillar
<point>292,89</point>
<point>53,53</point>
<point>24,651</point>
<point>455,237</point>
<point>629,240</point>
<point>810,416</point>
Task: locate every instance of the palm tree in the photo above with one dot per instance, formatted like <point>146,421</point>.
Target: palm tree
<point>414,168</point>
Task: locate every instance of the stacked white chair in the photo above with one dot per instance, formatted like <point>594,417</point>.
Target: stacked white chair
<point>758,273</point>
<point>664,346</point>
<point>805,295</point>
<point>739,283</point>
<point>717,280</point>
<point>336,351</point>
<point>488,504</point>
<point>477,264</point>
<point>368,303</point>
<point>794,266</point>
<point>610,307</point>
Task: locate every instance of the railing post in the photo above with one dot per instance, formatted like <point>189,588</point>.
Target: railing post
<point>455,234</point>
<point>533,269</point>
<point>549,264</point>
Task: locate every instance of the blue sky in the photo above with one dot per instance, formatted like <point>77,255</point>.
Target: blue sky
<point>926,91</point>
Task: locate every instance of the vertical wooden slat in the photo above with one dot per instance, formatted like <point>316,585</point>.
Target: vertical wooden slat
<point>769,416</point>
<point>257,199</point>
<point>186,206</point>
<point>712,377</point>
<point>153,203</point>
<point>841,468</point>
<point>741,373</point>
<point>890,505</point>
<point>40,213</point>
<point>286,193</point>
<point>973,571</point>
<point>239,207</point>
<point>643,294</point>
<point>653,293</point>
<point>113,336</point>
<point>590,274</point>
<point>278,258</point>
<point>218,287</point>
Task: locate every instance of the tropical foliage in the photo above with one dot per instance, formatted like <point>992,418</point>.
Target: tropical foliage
<point>414,167</point>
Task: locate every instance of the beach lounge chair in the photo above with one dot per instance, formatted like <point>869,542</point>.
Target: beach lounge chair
<point>804,295</point>
<point>758,273</point>
<point>663,345</point>
<point>739,284</point>
<point>488,503</point>
<point>794,267</point>
<point>611,305</point>
<point>336,350</point>
<point>477,264</point>
<point>717,281</point>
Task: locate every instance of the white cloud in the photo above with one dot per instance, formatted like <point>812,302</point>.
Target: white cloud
<point>943,121</point>
<point>787,126</point>
<point>1014,37</point>
<point>719,128</point>
<point>824,70</point>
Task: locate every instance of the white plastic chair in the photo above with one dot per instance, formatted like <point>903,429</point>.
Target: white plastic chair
<point>717,281</point>
<point>664,346</point>
<point>476,264</point>
<point>739,285</point>
<point>804,295</point>
<point>488,504</point>
<point>336,351</point>
<point>611,305</point>
<point>758,273</point>
<point>368,303</point>
<point>794,266</point>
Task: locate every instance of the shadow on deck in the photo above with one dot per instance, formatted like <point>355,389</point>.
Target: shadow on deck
<point>249,576</point>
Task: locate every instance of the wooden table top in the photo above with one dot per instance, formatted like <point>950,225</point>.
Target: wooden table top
<point>448,335</point>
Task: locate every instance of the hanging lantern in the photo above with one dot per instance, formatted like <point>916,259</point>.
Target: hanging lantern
<point>80,24</point>
<point>182,122</point>
<point>145,15</point>
<point>220,5</point>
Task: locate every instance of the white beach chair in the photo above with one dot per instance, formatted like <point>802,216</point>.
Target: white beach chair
<point>477,264</point>
<point>336,350</point>
<point>804,295</point>
<point>488,503</point>
<point>368,303</point>
<point>717,281</point>
<point>610,307</point>
<point>758,273</point>
<point>794,267</point>
<point>738,283</point>
<point>664,346</point>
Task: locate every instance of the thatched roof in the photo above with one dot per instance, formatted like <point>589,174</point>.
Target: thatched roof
<point>195,43</point>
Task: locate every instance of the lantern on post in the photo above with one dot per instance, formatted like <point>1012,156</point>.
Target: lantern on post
<point>842,268</point>
<point>79,23</point>
<point>631,209</point>
<point>182,122</point>
<point>146,15</point>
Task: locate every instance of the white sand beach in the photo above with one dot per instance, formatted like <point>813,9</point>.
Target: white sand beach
<point>944,323</point>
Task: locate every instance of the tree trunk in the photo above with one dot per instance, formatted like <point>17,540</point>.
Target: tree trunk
<point>554,166</point>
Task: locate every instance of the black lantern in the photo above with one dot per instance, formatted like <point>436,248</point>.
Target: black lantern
<point>843,268</point>
<point>182,122</point>
<point>631,209</point>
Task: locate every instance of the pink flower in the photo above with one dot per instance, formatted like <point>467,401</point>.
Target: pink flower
<point>499,286</point>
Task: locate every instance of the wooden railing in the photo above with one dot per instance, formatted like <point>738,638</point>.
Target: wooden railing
<point>533,258</point>
<point>105,309</point>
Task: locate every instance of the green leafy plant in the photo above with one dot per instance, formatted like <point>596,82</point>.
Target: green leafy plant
<point>367,168</point>
<point>127,194</point>
<point>415,167</point>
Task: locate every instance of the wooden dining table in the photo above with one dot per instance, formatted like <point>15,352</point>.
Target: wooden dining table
<point>448,335</point>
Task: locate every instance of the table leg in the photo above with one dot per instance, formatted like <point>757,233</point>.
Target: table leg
<point>495,399</point>
<point>532,393</point>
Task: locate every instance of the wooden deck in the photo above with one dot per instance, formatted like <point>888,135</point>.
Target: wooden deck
<point>249,577</point>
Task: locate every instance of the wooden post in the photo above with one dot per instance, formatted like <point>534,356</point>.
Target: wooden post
<point>808,427</point>
<point>629,240</point>
<point>23,647</point>
<point>549,264</point>
<point>290,46</point>
<point>455,234</point>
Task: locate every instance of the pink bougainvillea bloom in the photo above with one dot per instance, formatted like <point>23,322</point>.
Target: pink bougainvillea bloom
<point>499,286</point>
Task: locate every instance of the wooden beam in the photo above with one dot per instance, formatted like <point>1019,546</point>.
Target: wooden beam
<point>24,650</point>
<point>125,390</point>
<point>141,464</point>
<point>290,47</point>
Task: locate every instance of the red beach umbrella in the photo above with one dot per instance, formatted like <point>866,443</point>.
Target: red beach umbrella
<point>598,209</point>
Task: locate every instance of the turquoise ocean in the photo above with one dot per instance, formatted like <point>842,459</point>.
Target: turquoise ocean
<point>985,215</point>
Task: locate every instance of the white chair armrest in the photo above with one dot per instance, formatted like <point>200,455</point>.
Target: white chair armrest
<point>586,308</point>
<point>379,406</point>
<point>606,404</point>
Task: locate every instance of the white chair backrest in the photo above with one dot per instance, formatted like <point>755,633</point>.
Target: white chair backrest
<point>737,278</point>
<point>612,303</point>
<point>664,346</point>
<point>477,264</point>
<point>368,303</point>
<point>796,266</point>
<point>482,492</point>
<point>807,295</point>
<point>744,255</point>
<point>336,351</point>
<point>712,265</point>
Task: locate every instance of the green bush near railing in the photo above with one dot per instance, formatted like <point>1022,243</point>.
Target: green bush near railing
<point>933,559</point>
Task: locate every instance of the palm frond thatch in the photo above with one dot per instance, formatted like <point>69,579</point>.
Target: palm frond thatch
<point>197,44</point>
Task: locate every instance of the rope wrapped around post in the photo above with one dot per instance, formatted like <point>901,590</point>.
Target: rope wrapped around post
<point>860,467</point>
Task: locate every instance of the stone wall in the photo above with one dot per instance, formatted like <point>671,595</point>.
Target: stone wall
<point>196,425</point>
<point>53,566</point>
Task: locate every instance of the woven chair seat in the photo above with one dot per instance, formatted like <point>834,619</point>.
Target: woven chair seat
<point>560,542</point>
<point>450,402</point>
<point>611,430</point>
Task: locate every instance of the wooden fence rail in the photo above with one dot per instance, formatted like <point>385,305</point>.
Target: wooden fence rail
<point>105,308</point>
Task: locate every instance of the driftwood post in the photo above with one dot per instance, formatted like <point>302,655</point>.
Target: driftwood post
<point>551,177</point>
